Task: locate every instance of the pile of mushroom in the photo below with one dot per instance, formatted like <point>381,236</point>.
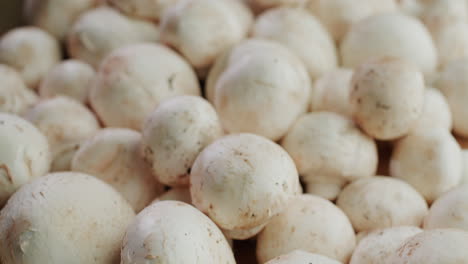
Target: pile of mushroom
<point>235,131</point>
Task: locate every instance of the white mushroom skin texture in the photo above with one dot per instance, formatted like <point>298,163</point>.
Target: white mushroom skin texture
<point>242,180</point>
<point>174,232</point>
<point>436,112</point>
<point>451,41</point>
<point>465,167</point>
<point>145,9</point>
<point>440,13</point>
<point>381,202</point>
<point>311,224</point>
<point>175,133</point>
<point>64,218</point>
<point>70,78</point>
<point>66,123</point>
<point>299,256</point>
<point>24,156</point>
<point>425,248</point>
<point>181,194</point>
<point>113,155</point>
<point>202,29</point>
<point>390,34</point>
<point>379,246</point>
<point>99,31</point>
<point>15,97</point>
<point>31,51</point>
<point>387,97</point>
<point>259,87</point>
<point>287,26</point>
<point>133,80</point>
<point>431,162</point>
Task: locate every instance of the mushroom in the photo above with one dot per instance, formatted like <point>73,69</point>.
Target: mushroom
<point>242,180</point>
<point>175,133</point>
<point>329,151</point>
<point>181,194</point>
<point>113,155</point>
<point>387,97</point>
<point>440,13</point>
<point>144,9</point>
<point>15,97</point>
<point>66,123</point>
<point>133,80</point>
<point>70,78</point>
<point>311,224</point>
<point>430,161</point>
<point>99,31</point>
<point>465,167</point>
<point>436,112</point>
<point>299,256</point>
<point>381,202</point>
<point>174,232</point>
<point>378,246</point>
<point>259,87</point>
<point>64,217</point>
<point>24,156</point>
<point>411,7</point>
<point>390,34</point>
<point>424,248</point>
<point>287,26</point>
<point>31,51</point>
<point>451,41</point>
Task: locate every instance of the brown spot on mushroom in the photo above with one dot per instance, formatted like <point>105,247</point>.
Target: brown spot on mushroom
<point>7,172</point>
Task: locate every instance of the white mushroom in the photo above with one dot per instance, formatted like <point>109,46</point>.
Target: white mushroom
<point>242,180</point>
<point>329,151</point>
<point>451,41</point>
<point>391,34</point>
<point>70,78</point>
<point>381,202</point>
<point>24,156</point>
<point>175,133</point>
<point>259,87</point>
<point>411,7</point>
<point>299,256</point>
<point>465,166</point>
<point>387,97</point>
<point>31,51</point>
<point>64,218</point>
<point>436,112</point>
<point>145,9</point>
<point>287,26</point>
<point>379,246</point>
<point>133,80</point>
<point>100,31</point>
<point>15,97</point>
<point>430,161</point>
<point>174,232</point>
<point>440,13</point>
<point>66,123</point>
<point>311,224</point>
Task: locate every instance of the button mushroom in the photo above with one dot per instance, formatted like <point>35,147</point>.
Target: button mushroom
<point>15,97</point>
<point>144,9</point>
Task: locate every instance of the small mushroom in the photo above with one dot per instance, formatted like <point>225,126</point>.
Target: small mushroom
<point>145,9</point>
<point>451,41</point>
<point>15,97</point>
<point>299,256</point>
<point>436,112</point>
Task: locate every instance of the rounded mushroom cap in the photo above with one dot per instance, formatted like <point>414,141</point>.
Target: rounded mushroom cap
<point>145,9</point>
<point>174,232</point>
<point>214,26</point>
<point>449,210</point>
<point>387,97</point>
<point>66,123</point>
<point>64,218</point>
<point>440,155</point>
<point>438,13</point>
<point>436,112</point>
<point>113,155</point>
<point>309,223</point>
<point>425,248</point>
<point>263,89</point>
<point>451,41</point>
<point>391,34</point>
<point>378,246</point>
<point>24,154</point>
<point>299,256</point>
<point>316,49</point>
<point>133,80</point>
<point>381,202</point>
<point>242,180</point>
<point>99,31</point>
<point>31,51</point>
<point>71,78</point>
<point>175,133</point>
<point>15,97</point>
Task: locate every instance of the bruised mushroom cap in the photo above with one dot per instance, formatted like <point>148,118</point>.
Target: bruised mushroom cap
<point>24,156</point>
<point>145,9</point>
<point>133,80</point>
<point>15,97</point>
<point>64,217</point>
<point>174,232</point>
<point>175,133</point>
<point>299,256</point>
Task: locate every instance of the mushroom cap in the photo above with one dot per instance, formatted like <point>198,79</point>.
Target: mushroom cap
<point>175,133</point>
<point>181,194</point>
<point>299,256</point>
<point>451,41</point>
<point>15,97</point>
<point>174,232</point>
<point>133,80</point>
<point>64,217</point>
<point>145,9</point>
<point>436,112</point>
<point>438,13</point>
